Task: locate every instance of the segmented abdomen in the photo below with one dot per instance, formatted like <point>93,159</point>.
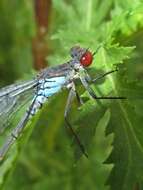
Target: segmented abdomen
<point>47,88</point>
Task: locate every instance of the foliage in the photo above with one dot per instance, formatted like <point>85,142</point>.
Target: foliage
<point>47,161</point>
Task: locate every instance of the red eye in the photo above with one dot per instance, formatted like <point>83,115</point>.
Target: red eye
<point>86,59</point>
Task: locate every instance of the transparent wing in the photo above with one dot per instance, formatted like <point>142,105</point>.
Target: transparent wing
<point>9,94</point>
<point>12,98</point>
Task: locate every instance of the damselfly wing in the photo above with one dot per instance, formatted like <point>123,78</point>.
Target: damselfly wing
<point>12,98</point>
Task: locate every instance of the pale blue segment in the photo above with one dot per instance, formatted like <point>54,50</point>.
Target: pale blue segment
<point>40,92</point>
<point>51,91</point>
<point>41,99</point>
<point>54,82</point>
<point>51,86</point>
<point>47,89</point>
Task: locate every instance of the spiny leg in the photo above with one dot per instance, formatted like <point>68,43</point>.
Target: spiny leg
<point>103,75</point>
<point>71,96</point>
<point>92,93</point>
<point>80,101</point>
<point>15,133</point>
<point>87,80</point>
<point>100,76</point>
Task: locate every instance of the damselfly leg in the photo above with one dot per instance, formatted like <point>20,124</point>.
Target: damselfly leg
<point>86,83</point>
<point>102,76</point>
<point>80,101</point>
<point>72,94</point>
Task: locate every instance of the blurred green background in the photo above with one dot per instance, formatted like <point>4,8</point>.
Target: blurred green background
<point>35,34</point>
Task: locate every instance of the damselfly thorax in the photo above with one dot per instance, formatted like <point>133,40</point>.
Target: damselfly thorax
<point>47,83</point>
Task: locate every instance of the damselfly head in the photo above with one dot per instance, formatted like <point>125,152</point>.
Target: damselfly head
<point>83,55</point>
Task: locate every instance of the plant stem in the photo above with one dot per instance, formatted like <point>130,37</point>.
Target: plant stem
<point>40,48</point>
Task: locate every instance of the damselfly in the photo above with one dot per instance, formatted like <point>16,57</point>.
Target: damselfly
<point>47,83</point>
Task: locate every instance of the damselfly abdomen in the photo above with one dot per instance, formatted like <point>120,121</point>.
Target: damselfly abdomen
<point>47,83</point>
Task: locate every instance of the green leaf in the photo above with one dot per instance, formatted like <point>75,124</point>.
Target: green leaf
<point>47,160</point>
<point>127,154</point>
